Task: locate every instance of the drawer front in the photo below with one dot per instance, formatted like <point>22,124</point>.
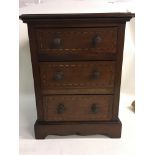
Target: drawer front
<point>94,43</point>
<point>77,107</point>
<point>63,75</point>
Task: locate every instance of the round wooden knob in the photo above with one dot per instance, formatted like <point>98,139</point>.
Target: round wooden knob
<point>58,76</point>
<point>60,109</point>
<point>94,108</point>
<point>96,40</point>
<point>96,75</point>
<point>56,42</point>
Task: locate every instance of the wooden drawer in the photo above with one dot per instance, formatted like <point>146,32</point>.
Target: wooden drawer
<point>74,75</point>
<point>77,43</point>
<point>77,107</point>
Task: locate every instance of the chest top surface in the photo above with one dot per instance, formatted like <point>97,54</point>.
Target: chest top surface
<point>77,16</point>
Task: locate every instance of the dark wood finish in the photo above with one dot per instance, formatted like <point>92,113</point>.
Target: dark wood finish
<point>108,128</point>
<point>75,56</point>
<point>120,46</point>
<point>76,40</point>
<point>78,91</point>
<point>63,75</point>
<point>77,107</point>
<point>76,43</point>
<point>110,17</point>
<point>77,63</point>
<point>36,74</point>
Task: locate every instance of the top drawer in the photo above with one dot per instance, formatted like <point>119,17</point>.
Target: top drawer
<point>77,43</point>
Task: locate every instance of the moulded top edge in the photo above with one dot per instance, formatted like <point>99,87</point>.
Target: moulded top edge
<point>34,17</point>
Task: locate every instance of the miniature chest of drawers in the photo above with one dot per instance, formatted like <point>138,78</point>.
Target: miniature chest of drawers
<point>77,63</point>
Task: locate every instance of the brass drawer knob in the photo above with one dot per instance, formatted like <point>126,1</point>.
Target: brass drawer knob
<point>96,40</point>
<point>60,109</point>
<point>96,75</point>
<point>56,42</point>
<point>58,76</point>
<point>94,109</point>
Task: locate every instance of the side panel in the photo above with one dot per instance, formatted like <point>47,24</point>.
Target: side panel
<point>35,68</point>
<point>119,59</point>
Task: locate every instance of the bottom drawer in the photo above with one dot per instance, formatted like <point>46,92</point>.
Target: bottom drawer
<point>77,107</point>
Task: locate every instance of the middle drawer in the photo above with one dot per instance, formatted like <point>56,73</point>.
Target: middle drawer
<point>77,75</point>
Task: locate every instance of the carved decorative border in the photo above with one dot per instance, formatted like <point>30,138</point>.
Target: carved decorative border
<point>76,65</point>
<point>64,50</point>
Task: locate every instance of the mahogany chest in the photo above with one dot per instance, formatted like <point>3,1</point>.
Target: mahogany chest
<point>77,62</point>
